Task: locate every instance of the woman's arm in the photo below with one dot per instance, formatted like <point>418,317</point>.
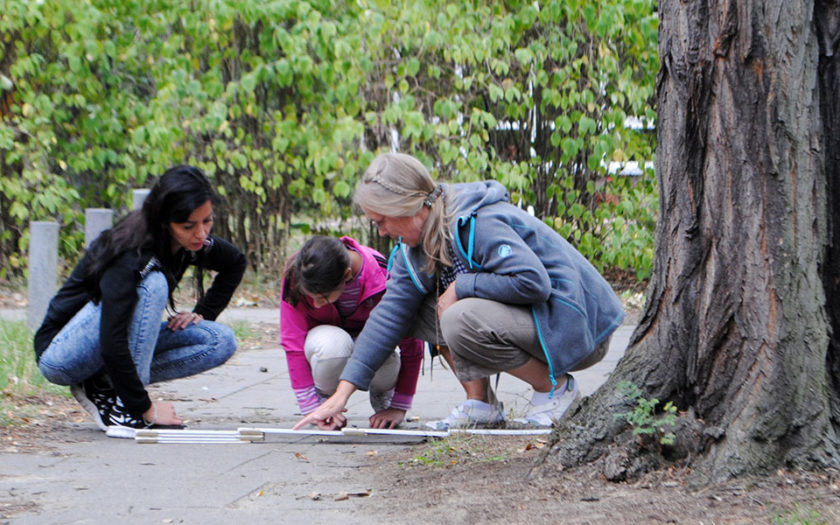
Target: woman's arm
<point>330,415</point>
<point>229,263</point>
<point>119,296</point>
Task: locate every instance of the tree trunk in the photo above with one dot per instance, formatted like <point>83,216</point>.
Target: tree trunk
<point>737,331</point>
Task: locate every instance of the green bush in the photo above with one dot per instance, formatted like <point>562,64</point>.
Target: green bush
<point>284,103</point>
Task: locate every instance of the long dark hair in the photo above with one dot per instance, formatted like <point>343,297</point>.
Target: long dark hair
<point>173,198</point>
<point>318,268</point>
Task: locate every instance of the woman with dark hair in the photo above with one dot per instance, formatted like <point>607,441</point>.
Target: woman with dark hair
<point>328,291</point>
<point>103,332</point>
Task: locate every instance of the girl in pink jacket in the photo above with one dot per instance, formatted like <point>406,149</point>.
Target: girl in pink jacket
<point>328,291</point>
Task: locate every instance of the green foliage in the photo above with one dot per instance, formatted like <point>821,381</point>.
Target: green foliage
<point>19,375</point>
<point>799,515</point>
<point>284,103</point>
<point>457,449</point>
<point>644,419</point>
<point>18,372</point>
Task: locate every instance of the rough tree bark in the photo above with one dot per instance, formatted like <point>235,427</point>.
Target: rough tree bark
<point>742,325</point>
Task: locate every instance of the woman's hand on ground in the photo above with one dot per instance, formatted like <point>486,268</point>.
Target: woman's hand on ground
<point>162,413</point>
<point>330,415</point>
<point>182,320</point>
<point>388,418</point>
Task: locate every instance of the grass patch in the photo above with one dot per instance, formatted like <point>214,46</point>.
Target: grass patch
<point>458,449</point>
<point>19,375</point>
<point>242,330</point>
<point>800,515</point>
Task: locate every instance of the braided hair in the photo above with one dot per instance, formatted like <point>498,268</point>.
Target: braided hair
<point>399,185</point>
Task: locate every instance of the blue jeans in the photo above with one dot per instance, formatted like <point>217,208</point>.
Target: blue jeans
<point>159,354</point>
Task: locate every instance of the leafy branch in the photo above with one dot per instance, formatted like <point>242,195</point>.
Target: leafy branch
<point>643,418</point>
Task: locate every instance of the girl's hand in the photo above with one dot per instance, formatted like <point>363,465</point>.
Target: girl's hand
<point>182,320</point>
<point>388,418</point>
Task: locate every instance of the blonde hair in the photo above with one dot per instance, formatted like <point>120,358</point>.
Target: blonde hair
<point>399,185</point>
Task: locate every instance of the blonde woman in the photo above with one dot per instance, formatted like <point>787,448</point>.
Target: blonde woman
<point>498,288</point>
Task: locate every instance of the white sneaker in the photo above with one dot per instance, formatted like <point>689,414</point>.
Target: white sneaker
<point>546,414</point>
<point>470,413</point>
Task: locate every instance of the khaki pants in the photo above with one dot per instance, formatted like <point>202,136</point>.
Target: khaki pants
<point>487,337</point>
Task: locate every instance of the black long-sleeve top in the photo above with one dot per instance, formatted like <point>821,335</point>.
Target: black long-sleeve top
<point>117,289</point>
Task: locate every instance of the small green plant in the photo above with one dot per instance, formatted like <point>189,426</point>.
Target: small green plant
<point>800,516</point>
<point>643,418</point>
<point>242,330</point>
<point>454,450</point>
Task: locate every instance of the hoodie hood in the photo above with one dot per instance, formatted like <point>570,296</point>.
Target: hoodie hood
<point>471,196</point>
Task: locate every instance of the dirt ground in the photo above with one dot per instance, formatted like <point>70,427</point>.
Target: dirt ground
<point>487,480</point>
<point>493,480</point>
<point>483,479</point>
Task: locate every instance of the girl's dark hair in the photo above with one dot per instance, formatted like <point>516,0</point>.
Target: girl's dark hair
<point>173,198</point>
<point>317,268</point>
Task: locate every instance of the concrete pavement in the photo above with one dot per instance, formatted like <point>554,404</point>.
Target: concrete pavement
<point>90,478</point>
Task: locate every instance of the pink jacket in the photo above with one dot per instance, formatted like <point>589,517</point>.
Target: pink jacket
<point>296,321</point>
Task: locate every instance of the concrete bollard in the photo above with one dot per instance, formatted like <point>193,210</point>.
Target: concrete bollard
<point>138,197</point>
<point>97,220</point>
<point>43,269</point>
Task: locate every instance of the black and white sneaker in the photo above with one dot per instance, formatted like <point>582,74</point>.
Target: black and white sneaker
<point>120,417</point>
<point>97,397</point>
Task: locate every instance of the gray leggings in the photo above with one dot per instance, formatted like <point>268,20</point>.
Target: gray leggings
<point>487,337</point>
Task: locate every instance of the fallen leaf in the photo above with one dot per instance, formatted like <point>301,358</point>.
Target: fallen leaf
<point>342,496</point>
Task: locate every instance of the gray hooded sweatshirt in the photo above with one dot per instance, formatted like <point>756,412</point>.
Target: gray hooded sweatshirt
<point>511,257</point>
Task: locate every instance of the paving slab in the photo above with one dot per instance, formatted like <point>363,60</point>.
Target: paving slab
<point>90,478</point>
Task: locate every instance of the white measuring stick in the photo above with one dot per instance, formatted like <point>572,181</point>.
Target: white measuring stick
<point>248,434</point>
<point>288,431</point>
<point>399,432</point>
<point>148,432</point>
<point>190,438</point>
<point>345,432</point>
<point>502,431</point>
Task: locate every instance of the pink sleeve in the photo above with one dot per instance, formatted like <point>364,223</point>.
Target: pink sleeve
<point>411,358</point>
<point>293,330</point>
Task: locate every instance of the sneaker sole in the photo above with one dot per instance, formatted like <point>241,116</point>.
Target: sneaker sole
<point>121,432</point>
<point>79,393</point>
